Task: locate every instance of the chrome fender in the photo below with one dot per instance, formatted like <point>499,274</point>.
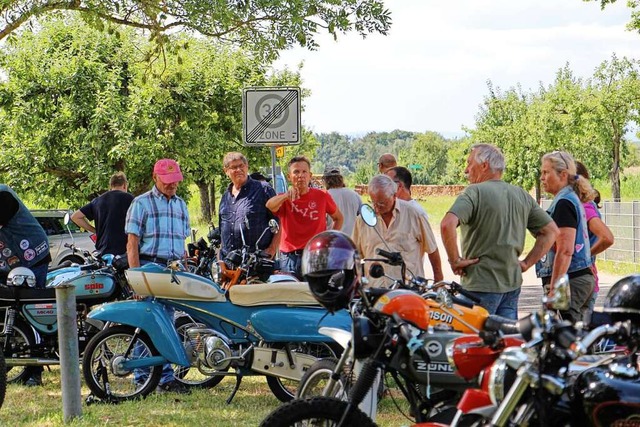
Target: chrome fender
<point>151,317</point>
<point>340,336</point>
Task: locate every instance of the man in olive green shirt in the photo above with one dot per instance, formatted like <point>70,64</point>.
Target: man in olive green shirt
<point>493,217</point>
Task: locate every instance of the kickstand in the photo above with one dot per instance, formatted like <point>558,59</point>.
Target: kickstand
<point>110,398</point>
<point>235,389</point>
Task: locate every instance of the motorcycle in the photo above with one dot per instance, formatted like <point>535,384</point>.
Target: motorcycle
<point>248,265</point>
<point>202,256</point>
<point>29,335</point>
<point>555,379</point>
<point>449,317</point>
<point>262,329</point>
<point>240,266</point>
<point>391,333</point>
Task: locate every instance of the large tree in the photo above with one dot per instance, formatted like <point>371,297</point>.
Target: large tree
<point>263,25</point>
<point>78,104</point>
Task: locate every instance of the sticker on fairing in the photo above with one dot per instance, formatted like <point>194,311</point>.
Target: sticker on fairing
<point>6,252</point>
<point>29,254</point>
<point>24,244</point>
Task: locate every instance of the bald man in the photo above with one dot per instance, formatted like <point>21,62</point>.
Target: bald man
<point>386,162</point>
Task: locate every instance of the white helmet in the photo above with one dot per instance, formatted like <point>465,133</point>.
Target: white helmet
<point>21,276</point>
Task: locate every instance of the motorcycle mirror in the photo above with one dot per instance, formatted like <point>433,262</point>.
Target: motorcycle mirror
<point>559,298</point>
<point>67,220</point>
<point>368,215</point>
<point>376,270</point>
<point>274,226</point>
<point>194,231</point>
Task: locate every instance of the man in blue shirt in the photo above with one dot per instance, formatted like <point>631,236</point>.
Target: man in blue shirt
<point>157,224</point>
<point>245,198</point>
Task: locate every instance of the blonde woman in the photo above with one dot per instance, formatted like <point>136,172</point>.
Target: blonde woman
<point>571,253</point>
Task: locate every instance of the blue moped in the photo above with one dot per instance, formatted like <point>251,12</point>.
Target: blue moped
<point>258,329</point>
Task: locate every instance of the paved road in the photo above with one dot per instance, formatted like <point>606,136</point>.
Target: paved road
<point>531,294</point>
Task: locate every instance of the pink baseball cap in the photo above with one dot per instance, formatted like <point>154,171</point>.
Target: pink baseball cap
<point>168,171</point>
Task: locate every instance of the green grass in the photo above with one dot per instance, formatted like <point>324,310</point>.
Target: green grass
<point>42,406</point>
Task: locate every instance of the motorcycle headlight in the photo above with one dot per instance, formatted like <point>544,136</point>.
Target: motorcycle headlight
<point>21,276</point>
<point>215,272</point>
<point>497,375</point>
<point>503,372</point>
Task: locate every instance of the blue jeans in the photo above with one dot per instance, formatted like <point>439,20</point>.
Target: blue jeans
<point>291,262</point>
<point>505,305</point>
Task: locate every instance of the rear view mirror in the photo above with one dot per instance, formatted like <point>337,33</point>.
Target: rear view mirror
<point>67,218</point>
<point>368,215</point>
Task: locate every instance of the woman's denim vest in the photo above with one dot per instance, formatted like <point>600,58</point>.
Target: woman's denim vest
<point>581,257</point>
<point>23,242</point>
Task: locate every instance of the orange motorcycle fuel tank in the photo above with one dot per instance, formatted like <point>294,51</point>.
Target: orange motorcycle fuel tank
<point>457,318</point>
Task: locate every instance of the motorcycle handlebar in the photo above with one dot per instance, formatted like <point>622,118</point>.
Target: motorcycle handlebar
<point>393,258</point>
<point>462,302</point>
<point>456,287</point>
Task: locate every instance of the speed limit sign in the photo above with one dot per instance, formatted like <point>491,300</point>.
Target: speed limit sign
<point>271,116</point>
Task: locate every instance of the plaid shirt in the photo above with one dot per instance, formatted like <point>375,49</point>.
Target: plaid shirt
<point>161,224</point>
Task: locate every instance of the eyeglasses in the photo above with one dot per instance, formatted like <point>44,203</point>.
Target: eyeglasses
<point>558,154</point>
<point>235,167</point>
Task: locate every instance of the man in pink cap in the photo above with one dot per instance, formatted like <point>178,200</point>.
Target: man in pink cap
<point>157,224</point>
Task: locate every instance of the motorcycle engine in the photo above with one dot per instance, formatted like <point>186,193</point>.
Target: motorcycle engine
<point>209,348</point>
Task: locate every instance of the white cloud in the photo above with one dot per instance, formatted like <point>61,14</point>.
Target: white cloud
<point>430,72</point>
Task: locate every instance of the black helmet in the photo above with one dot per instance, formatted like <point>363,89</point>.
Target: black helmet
<point>329,265</point>
<point>623,299</point>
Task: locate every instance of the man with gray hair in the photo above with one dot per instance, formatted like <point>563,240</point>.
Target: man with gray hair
<point>403,229</point>
<point>493,217</point>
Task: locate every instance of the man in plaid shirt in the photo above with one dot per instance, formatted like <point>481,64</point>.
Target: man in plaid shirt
<point>157,224</point>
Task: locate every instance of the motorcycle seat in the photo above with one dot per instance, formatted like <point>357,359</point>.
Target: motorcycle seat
<point>27,295</point>
<point>287,293</point>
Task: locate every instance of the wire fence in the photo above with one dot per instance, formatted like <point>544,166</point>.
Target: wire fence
<point>623,219</point>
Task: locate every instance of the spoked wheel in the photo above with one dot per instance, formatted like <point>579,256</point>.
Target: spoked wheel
<point>21,341</point>
<point>102,364</point>
<point>316,379</point>
<point>192,376</point>
<point>284,389</point>
<point>318,411</point>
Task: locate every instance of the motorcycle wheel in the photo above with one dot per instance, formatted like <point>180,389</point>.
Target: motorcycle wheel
<point>318,411</point>
<point>101,359</point>
<point>285,390</point>
<point>22,339</point>
<point>191,376</point>
<point>315,380</point>
<point>3,379</point>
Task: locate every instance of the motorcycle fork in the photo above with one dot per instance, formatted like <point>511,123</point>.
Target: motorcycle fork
<point>335,375</point>
<point>7,331</point>
<point>511,400</point>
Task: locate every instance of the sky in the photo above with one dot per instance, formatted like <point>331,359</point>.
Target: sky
<point>430,72</point>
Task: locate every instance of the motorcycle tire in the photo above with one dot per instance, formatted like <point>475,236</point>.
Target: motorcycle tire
<point>191,376</point>
<point>323,411</point>
<point>3,379</point>
<point>100,363</point>
<point>23,337</point>
<point>285,390</point>
<point>314,381</point>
